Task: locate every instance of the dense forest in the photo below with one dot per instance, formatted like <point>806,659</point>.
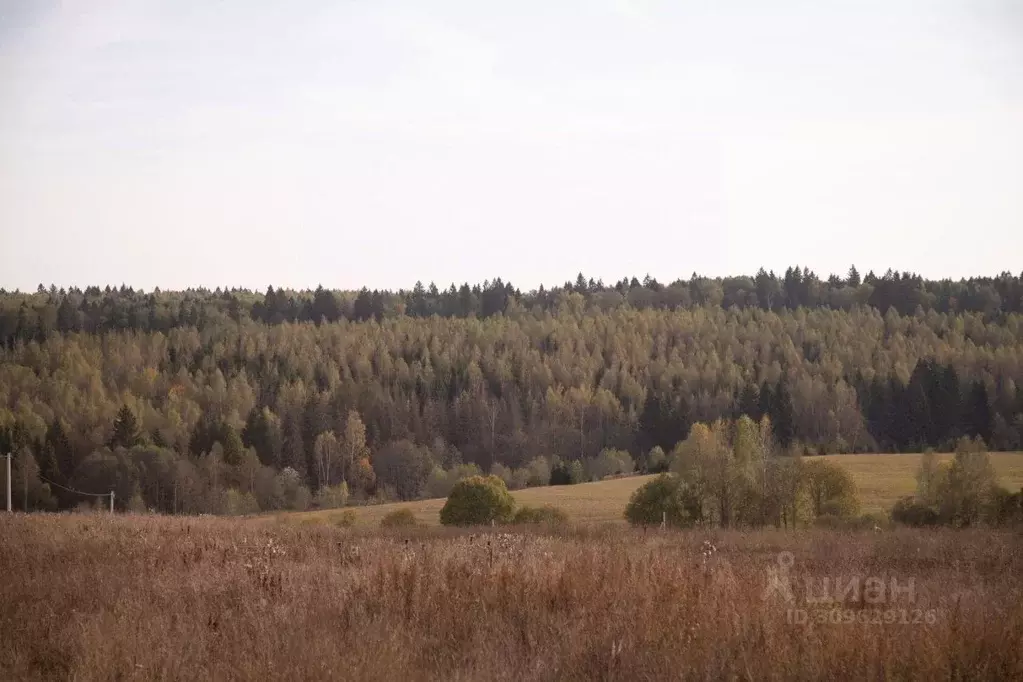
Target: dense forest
<point>228,400</point>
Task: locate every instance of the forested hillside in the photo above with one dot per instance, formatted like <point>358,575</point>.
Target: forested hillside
<point>231,400</point>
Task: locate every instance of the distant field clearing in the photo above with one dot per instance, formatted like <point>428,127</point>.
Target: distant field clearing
<point>880,481</point>
<point>883,479</point>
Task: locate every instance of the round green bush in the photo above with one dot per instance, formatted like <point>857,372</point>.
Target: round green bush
<point>909,511</point>
<point>399,518</point>
<point>665,498</point>
<point>476,501</point>
<point>546,515</point>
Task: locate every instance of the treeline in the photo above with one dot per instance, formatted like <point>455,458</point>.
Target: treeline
<point>25,316</point>
<point>403,406</point>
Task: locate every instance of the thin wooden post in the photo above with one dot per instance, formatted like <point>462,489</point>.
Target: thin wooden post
<point>111,501</point>
<point>8,482</point>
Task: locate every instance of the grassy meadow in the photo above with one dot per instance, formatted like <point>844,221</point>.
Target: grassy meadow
<point>149,597</point>
<point>98,597</point>
<point>880,481</point>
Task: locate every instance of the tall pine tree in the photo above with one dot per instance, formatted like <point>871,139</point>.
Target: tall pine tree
<point>126,429</point>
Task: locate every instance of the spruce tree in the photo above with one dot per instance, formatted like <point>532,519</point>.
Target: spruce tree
<point>126,429</point>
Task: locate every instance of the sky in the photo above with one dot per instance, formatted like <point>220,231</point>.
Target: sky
<point>186,143</point>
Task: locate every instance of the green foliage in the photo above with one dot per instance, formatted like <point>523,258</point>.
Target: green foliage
<point>237,503</point>
<point>561,474</point>
<point>967,493</point>
<point>404,466</point>
<point>609,462</point>
<point>477,501</point>
<point>291,493</point>
<point>559,375</point>
<point>440,482</point>
<point>331,497</point>
<point>865,522</point>
<point>1006,508</point>
<point>931,479</point>
<point>232,444</point>
<point>910,511</point>
<point>656,461</point>
<point>964,493</point>
<point>399,518</point>
<point>126,429</point>
<point>830,489</point>
<point>546,515</point>
<point>538,472</point>
<point>665,498</point>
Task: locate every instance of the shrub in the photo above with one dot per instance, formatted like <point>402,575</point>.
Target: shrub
<point>539,472</point>
<point>546,515</point>
<point>332,497</point>
<point>665,498</point>
<point>346,519</point>
<point>844,507</point>
<point>1006,507</point>
<point>838,522</point>
<point>609,462</point>
<point>290,492</point>
<point>237,503</point>
<point>438,484</point>
<point>399,518</point>
<point>656,461</point>
<point>520,479</point>
<point>502,472</point>
<point>561,475</point>
<point>476,501</point>
<point>872,521</point>
<point>910,511</point>
<point>441,481</point>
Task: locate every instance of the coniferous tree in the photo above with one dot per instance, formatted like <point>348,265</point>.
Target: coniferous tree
<point>126,429</point>
<point>979,416</point>
<point>782,415</point>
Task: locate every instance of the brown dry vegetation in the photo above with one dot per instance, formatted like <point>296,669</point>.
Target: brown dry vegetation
<point>103,598</point>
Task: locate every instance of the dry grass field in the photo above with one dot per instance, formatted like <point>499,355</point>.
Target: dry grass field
<point>601,502</point>
<point>160,598</point>
<point>880,480</point>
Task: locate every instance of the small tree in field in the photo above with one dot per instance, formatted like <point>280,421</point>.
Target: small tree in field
<point>831,489</point>
<point>969,487</point>
<point>478,500</point>
<point>666,498</point>
<point>546,515</point>
<point>399,518</point>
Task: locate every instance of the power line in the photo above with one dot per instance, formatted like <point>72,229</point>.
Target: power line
<point>71,490</point>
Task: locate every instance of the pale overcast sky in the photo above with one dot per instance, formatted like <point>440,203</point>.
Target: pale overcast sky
<point>180,143</point>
